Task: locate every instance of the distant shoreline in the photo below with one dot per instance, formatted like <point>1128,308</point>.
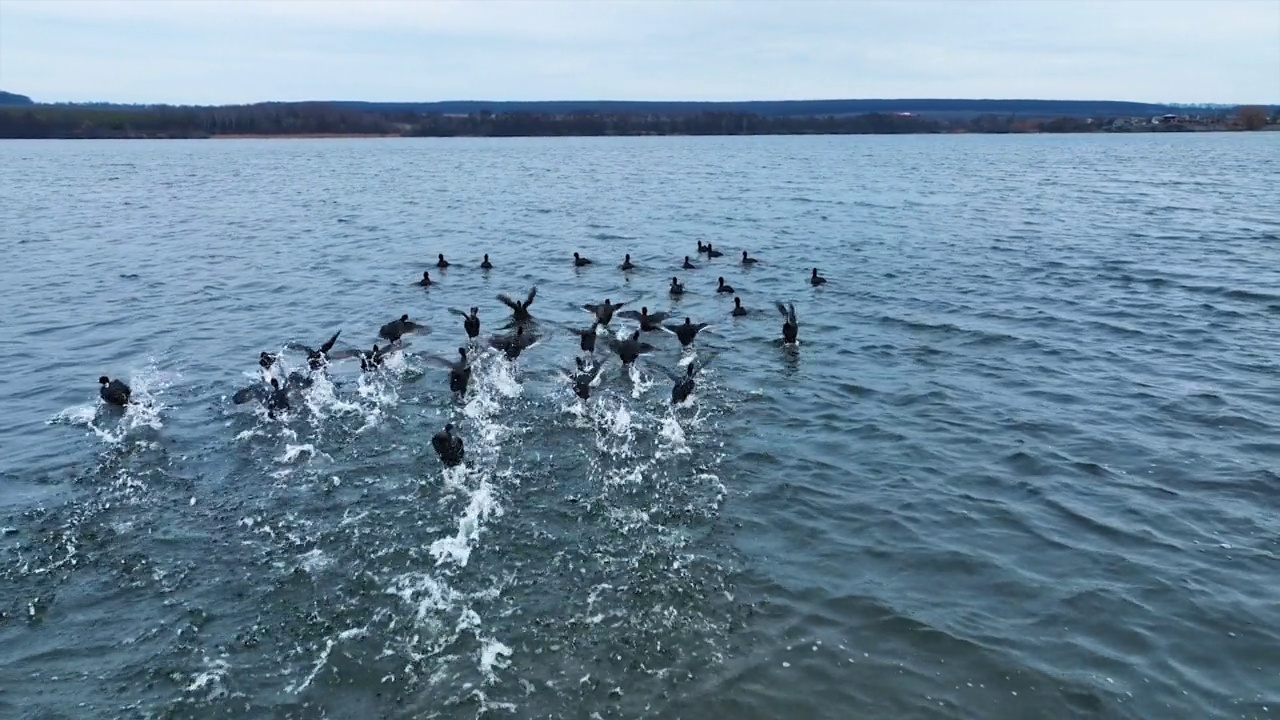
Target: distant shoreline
<point>292,136</point>
<point>385,136</point>
<point>327,121</point>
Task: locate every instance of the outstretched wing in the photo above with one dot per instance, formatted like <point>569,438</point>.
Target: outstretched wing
<point>328,345</point>
<point>506,300</point>
<point>658,317</point>
<point>444,362</point>
<point>630,314</point>
<point>782,309</point>
<point>590,307</point>
<point>646,347</point>
<point>595,374</point>
<point>533,291</point>
<point>253,392</point>
<point>458,312</point>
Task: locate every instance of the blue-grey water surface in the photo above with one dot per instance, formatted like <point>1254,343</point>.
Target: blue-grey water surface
<point>1024,462</point>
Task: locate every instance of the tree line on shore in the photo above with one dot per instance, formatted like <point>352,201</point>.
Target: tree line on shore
<point>88,121</point>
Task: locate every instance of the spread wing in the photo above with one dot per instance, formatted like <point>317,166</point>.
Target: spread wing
<point>533,291</point>
<point>506,300</point>
<point>594,378</point>
<point>456,311</point>
<point>658,317</point>
<point>630,314</point>
<point>789,314</point>
<point>328,345</point>
<point>253,392</point>
<point>445,362</point>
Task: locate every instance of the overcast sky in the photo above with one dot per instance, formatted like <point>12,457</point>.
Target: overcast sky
<point>188,51</point>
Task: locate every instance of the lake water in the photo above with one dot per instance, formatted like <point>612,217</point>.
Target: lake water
<point>1024,463</point>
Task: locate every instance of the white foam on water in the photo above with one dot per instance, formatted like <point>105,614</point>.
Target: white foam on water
<point>481,507</point>
<point>427,595</point>
<point>324,657</point>
<point>493,654</point>
<point>639,383</point>
<point>314,560</point>
<point>210,679</point>
<point>615,428</point>
<point>323,401</point>
<point>292,452</point>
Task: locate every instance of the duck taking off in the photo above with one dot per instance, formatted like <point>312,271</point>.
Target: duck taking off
<point>520,310</point>
<point>470,322</point>
<point>372,360</point>
<point>790,327</point>
<point>648,322</point>
<point>114,392</point>
<point>684,382</point>
<point>603,312</point>
<point>631,348</point>
<point>448,447</point>
<point>514,344</point>
<point>318,357</point>
<point>585,378</point>
<point>459,371</point>
<point>686,332</point>
<point>587,337</point>
<point>393,330</point>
